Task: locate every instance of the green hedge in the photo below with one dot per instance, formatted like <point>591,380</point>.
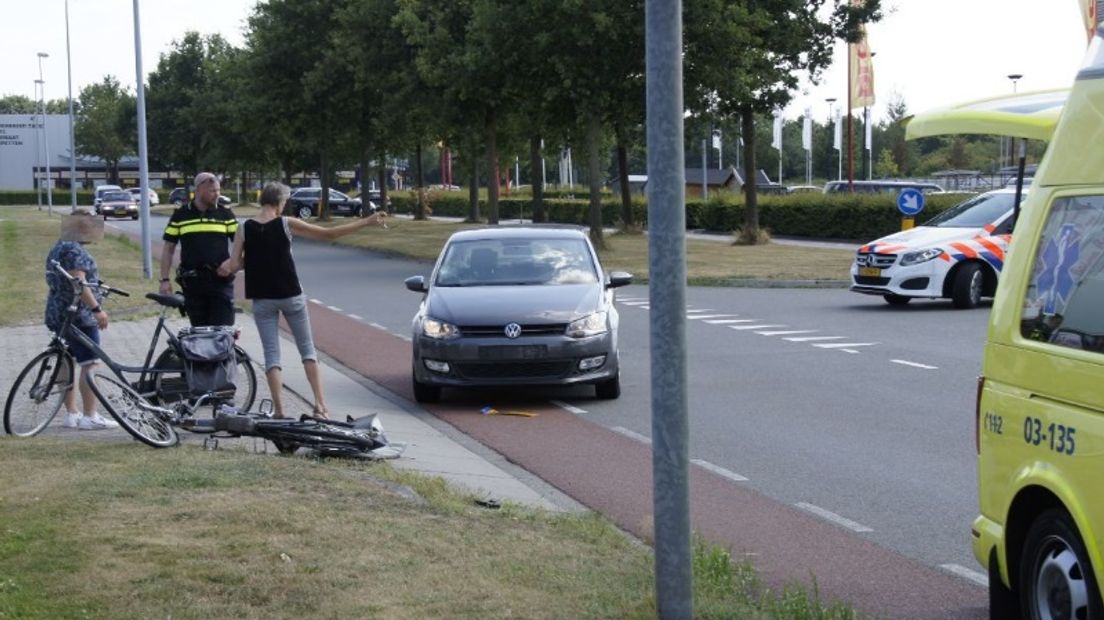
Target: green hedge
<point>30,197</point>
<point>836,216</point>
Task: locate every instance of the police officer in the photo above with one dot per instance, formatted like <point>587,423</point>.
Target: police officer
<point>204,231</point>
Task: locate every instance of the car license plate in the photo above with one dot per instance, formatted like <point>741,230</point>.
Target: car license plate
<point>873,272</point>
<point>513,352</point>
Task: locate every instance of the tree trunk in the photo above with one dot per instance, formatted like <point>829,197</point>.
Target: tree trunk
<point>492,168</point>
<point>594,139</point>
<point>285,167</point>
<point>628,222</point>
<point>751,200</point>
<point>381,172</point>
<point>419,205</point>
<point>365,162</point>
<point>324,181</point>
<point>473,190</point>
<point>536,172</point>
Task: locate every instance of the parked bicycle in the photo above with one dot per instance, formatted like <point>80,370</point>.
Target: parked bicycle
<point>39,390</point>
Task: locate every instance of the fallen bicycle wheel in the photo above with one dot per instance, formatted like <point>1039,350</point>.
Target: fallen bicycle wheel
<point>133,412</point>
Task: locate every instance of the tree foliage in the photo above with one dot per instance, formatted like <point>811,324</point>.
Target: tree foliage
<point>105,126</point>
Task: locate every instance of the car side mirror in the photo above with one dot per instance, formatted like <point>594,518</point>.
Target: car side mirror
<point>619,278</point>
<point>416,284</point>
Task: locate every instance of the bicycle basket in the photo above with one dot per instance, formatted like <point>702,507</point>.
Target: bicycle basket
<point>209,361</point>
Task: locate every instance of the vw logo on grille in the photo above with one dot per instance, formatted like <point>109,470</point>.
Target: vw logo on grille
<point>513,330</point>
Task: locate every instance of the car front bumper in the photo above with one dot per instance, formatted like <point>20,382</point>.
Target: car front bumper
<point>523,361</point>
<point>922,280</point>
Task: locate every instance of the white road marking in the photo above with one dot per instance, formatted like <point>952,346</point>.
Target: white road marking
<point>851,351</point>
<point>632,435</point>
<point>568,408</point>
<point>720,471</point>
<point>971,575</point>
<point>708,316</point>
<point>353,316</point>
<point>335,308</point>
<point>787,332</point>
<point>844,345</point>
<point>833,517</point>
<point>378,326</point>
<point>315,301</point>
<point>727,321</point>
<point>406,338</point>
<point>915,364</point>
<point>753,326</point>
<point>812,338</point>
<point>642,302</point>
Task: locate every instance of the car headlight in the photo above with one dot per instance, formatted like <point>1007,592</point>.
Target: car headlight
<point>590,325</point>
<point>439,329</point>
<point>923,256</point>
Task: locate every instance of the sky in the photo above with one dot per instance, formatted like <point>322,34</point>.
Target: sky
<point>929,52</point>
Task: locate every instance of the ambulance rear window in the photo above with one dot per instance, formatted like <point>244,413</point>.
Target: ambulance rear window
<point>1064,303</point>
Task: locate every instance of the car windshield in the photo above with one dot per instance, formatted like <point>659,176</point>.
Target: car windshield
<point>505,262</point>
<point>117,197</point>
<point>976,212</point>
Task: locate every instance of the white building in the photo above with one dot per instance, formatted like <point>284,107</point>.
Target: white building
<point>22,147</point>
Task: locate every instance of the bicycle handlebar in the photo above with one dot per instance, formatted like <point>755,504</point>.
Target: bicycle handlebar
<point>79,283</point>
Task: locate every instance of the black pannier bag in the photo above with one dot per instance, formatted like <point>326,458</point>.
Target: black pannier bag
<point>209,361</point>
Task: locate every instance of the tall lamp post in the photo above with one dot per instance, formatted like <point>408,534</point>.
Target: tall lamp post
<point>38,150</point>
<point>45,136</point>
<point>832,144</point>
<point>72,132</point>
<point>143,165</point>
<point>1014,78</point>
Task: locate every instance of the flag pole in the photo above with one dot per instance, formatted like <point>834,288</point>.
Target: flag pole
<point>850,129</point>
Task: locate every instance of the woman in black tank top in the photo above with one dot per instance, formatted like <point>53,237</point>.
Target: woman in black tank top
<point>262,246</point>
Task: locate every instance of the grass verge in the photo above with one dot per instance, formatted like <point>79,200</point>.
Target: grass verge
<point>116,530</point>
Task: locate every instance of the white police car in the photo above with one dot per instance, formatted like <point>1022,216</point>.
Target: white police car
<point>957,255</point>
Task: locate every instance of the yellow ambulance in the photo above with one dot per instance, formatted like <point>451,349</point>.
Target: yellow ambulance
<point>1040,405</point>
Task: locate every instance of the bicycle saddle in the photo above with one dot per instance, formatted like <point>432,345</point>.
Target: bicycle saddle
<point>172,301</point>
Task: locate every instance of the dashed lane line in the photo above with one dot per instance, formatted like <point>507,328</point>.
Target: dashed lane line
<point>335,308</point>
<point>814,338</point>
<point>828,515</point>
<point>702,317</point>
<point>568,408</point>
<point>761,326</point>
<point>844,345</point>
<point>970,575</point>
<point>378,326</point>
<point>354,316</point>
<point>632,435</point>
<point>720,471</point>
<point>316,301</point>
<point>915,364</point>
<point>730,321</point>
<point>786,332</point>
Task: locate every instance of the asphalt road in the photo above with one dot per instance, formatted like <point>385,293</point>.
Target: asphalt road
<point>850,410</point>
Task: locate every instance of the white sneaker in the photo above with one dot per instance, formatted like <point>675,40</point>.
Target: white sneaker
<point>71,420</point>
<point>96,422</point>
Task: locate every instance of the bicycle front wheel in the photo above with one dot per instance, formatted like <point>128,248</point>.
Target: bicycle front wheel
<point>38,393</point>
<point>140,418</point>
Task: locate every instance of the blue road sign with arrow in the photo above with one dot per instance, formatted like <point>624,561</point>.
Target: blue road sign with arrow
<point>910,201</point>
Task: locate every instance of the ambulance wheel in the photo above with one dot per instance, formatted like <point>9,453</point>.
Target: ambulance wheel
<point>896,300</point>
<point>966,291</point>
<point>1056,579</point>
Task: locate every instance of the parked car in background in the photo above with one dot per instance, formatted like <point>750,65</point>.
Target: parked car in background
<point>958,254</point>
<point>181,196</point>
<point>303,203</point>
<point>804,189</point>
<point>880,187</point>
<point>136,192</point>
<point>100,191</point>
<point>516,306</point>
<point>118,204</point>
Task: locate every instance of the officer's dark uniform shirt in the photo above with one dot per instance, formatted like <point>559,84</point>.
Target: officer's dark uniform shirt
<point>202,235</point>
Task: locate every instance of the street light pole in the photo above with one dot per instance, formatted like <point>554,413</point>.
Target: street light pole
<point>832,141</point>
<point>72,132</point>
<point>38,150</point>
<point>143,166</point>
<point>1014,77</point>
<point>45,137</point>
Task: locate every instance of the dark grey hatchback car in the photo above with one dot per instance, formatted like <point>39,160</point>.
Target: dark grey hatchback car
<point>516,306</point>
